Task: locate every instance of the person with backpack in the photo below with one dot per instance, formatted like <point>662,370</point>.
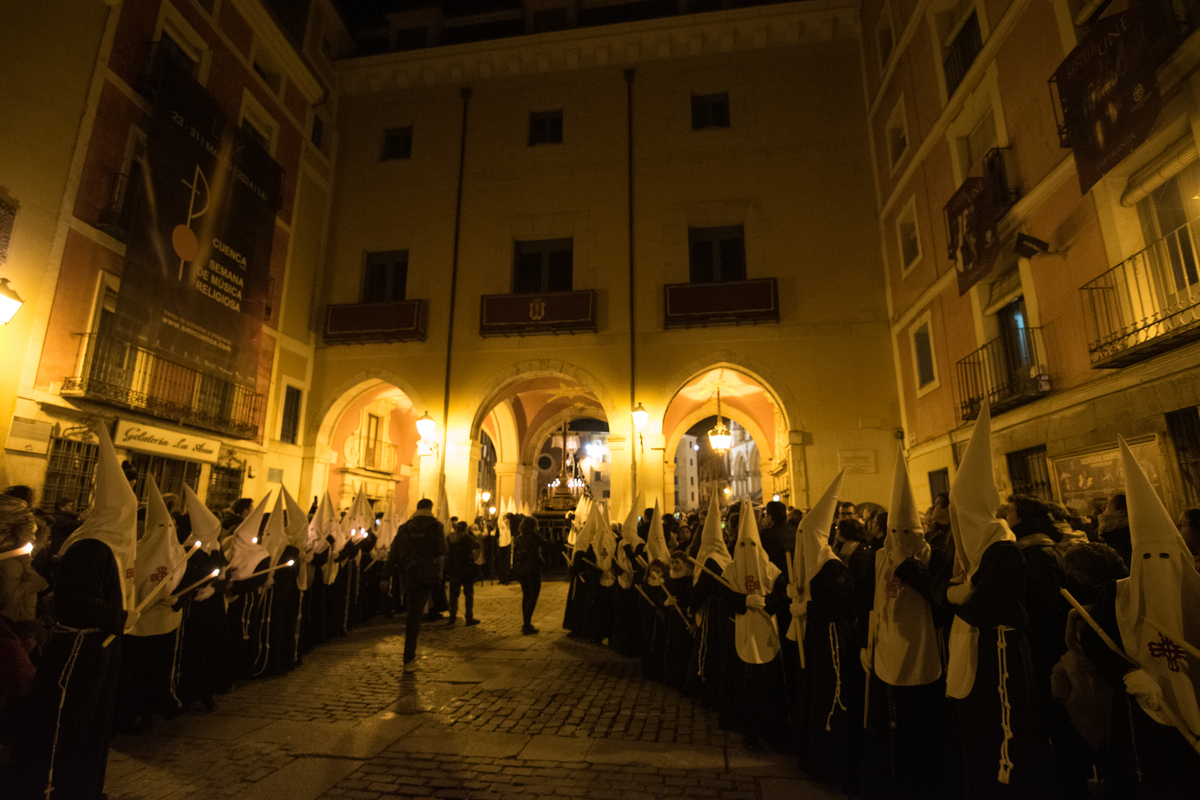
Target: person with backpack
<point>416,556</point>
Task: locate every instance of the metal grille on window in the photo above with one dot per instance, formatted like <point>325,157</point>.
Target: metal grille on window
<point>939,481</point>
<point>224,486</point>
<point>169,473</point>
<point>1029,473</point>
<point>1184,427</point>
<point>290,425</point>
<point>71,471</point>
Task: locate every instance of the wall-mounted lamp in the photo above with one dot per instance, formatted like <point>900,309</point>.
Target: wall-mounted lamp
<point>426,425</point>
<point>1028,246</point>
<point>487,496</point>
<point>640,416</point>
<point>10,301</point>
<point>719,437</point>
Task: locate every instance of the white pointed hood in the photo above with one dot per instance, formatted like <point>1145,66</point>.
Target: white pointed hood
<point>443,513</point>
<point>582,509</point>
<point>656,540</point>
<point>974,500</point>
<point>629,528</point>
<point>712,543</point>
<point>160,560</point>
<point>812,552</point>
<point>245,553</point>
<point>973,504</point>
<point>112,519</point>
<point>296,532</point>
<point>274,536</point>
<point>1160,600</point>
<point>902,642</point>
<point>756,635</point>
<point>503,529</point>
<point>319,527</point>
<point>586,534</point>
<point>205,525</point>
<point>385,532</point>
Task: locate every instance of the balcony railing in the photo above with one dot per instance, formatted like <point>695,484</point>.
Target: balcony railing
<point>362,452</point>
<point>724,303</point>
<point>1008,371</point>
<point>530,314</point>
<point>119,374</point>
<point>1147,304</point>
<point>402,321</point>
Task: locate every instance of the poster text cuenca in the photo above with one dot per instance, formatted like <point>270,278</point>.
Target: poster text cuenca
<point>196,274</point>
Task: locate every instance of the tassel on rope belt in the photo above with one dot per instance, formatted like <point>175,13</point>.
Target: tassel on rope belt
<point>837,671</point>
<point>63,679</point>
<point>1006,763</point>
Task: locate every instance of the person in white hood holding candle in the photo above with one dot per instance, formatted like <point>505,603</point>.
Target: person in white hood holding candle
<point>1005,747</point>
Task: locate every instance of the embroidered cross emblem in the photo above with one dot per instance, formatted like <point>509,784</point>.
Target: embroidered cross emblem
<point>751,584</point>
<point>1165,648</point>
<point>158,575</point>
<point>894,586</point>
<point>603,553</point>
<point>130,573</point>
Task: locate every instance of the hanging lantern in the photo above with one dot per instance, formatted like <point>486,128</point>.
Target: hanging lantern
<point>719,437</point>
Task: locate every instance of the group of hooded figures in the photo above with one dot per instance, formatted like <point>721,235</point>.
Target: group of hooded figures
<point>149,624</point>
<point>969,662</point>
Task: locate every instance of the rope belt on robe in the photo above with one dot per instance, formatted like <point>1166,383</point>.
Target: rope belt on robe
<point>63,680</point>
<point>1006,763</point>
<point>837,671</point>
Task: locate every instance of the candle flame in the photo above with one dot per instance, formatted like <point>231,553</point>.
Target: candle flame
<point>291,562</point>
<point>216,572</point>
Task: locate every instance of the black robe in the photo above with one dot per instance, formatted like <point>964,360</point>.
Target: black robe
<point>832,690</point>
<point>577,588</point>
<point>206,666</point>
<point>714,640</point>
<point>314,613</point>
<point>66,725</point>
<point>244,618</point>
<point>653,632</point>
<point>1146,759</point>
<point>997,609</point>
<point>680,640</point>
<point>285,615</point>
<point>625,636</point>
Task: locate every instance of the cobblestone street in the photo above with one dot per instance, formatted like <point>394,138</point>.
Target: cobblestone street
<point>489,714</point>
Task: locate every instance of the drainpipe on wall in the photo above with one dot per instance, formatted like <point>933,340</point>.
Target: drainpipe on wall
<point>462,158</point>
<point>629,74</point>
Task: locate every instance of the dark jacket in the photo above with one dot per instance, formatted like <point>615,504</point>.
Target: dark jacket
<point>415,551</point>
<point>527,554</point>
<point>460,558</point>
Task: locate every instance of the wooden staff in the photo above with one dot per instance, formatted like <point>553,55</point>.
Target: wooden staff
<point>799,640</point>
<point>724,582</point>
<point>645,596</point>
<point>1104,637</point>
<point>265,571</point>
<point>157,590</point>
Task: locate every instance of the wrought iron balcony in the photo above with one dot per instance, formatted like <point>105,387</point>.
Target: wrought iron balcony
<point>402,321</point>
<point>362,452</point>
<point>1008,371</point>
<point>119,374</point>
<point>724,303</point>
<point>1147,304</point>
<point>531,314</point>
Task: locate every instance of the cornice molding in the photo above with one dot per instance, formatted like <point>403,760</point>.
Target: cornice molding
<point>756,28</point>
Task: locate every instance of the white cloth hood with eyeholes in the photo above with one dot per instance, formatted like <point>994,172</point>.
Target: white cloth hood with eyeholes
<point>245,552</point>
<point>712,543</point>
<point>756,634</point>
<point>1160,600</point>
<point>973,523</point>
<point>205,525</point>
<point>812,553</point>
<point>656,540</point>
<point>901,641</point>
<point>160,560</point>
<point>112,519</point>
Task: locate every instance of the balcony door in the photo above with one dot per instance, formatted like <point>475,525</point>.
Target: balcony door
<point>1020,359</point>
<point>1169,217</point>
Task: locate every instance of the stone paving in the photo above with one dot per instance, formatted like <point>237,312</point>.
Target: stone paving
<point>489,714</point>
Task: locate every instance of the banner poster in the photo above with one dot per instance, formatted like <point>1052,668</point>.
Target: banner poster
<point>1094,473</point>
<point>197,266</point>
<point>1108,89</point>
<point>974,244</point>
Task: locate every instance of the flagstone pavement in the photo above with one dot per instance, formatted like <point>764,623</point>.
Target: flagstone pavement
<point>489,714</point>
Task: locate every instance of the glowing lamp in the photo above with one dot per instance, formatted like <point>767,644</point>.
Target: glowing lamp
<point>640,416</point>
<point>719,437</point>
<point>491,509</point>
<point>10,302</point>
<point>487,496</point>
<point>426,425</point>
<point>775,497</point>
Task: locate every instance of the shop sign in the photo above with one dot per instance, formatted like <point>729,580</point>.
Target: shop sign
<point>149,439</point>
<point>1082,476</point>
<point>1108,89</point>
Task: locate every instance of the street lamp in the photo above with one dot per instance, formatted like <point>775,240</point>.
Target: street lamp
<point>719,437</point>
<point>640,416</point>
<point>10,302</point>
<point>426,425</point>
<point>487,496</point>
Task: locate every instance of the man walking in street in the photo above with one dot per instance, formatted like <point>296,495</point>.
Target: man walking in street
<point>416,556</point>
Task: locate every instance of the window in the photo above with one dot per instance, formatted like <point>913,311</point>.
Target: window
<point>545,127</point>
<point>693,480</point>
<point>256,121</point>
<point>897,134</point>
<point>543,266</point>
<point>710,111</point>
<point>939,482</point>
<point>256,133</point>
<point>289,426</point>
<point>1165,213</point>
<point>385,277</point>
<point>181,55</point>
<point>908,237</point>
<point>924,365</point>
<point>974,147</point>
<point>550,19</point>
<point>317,134</point>
<point>1184,427</point>
<point>884,37</point>
<point>716,255</point>
<point>224,487</point>
<point>962,44</point>
<point>1029,473</point>
<point>266,69</point>
<point>397,144</point>
<point>70,469</point>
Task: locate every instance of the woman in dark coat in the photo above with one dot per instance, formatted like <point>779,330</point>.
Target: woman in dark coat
<point>462,550</point>
<point>527,566</point>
